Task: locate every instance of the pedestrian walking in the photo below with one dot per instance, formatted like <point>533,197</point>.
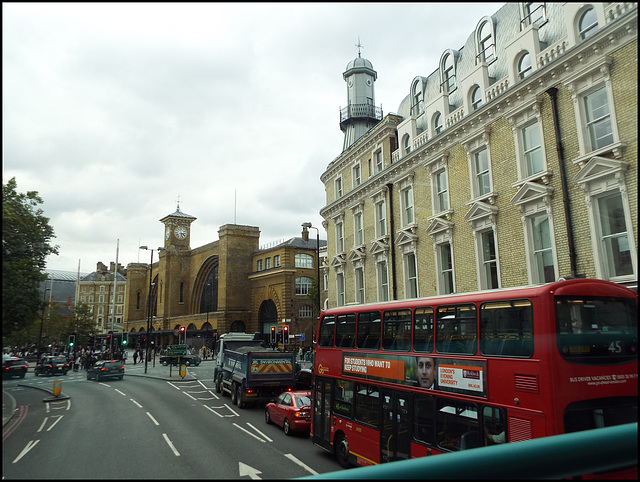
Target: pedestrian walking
<point>135,357</point>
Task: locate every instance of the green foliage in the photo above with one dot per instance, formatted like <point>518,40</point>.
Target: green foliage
<point>26,236</point>
<point>82,323</point>
<point>313,297</point>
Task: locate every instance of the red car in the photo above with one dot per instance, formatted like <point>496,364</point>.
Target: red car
<point>291,411</point>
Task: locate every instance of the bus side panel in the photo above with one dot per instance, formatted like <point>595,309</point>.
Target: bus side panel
<point>364,442</point>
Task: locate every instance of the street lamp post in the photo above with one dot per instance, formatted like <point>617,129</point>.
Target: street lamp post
<point>44,301</point>
<point>149,308</point>
<point>310,226</point>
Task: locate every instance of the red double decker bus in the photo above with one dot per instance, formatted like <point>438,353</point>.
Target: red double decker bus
<point>413,378</point>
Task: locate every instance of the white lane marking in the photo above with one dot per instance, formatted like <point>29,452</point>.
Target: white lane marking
<point>300,463</point>
<point>54,423</point>
<point>44,422</point>
<point>24,452</point>
<point>171,445</point>
<point>232,410</point>
<point>209,390</point>
<point>246,431</point>
<point>121,393</point>
<point>268,439</point>
<point>212,410</point>
<point>139,406</point>
<point>153,419</point>
<point>188,395</point>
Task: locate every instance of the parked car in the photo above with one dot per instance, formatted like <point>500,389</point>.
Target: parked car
<point>291,411</point>
<point>188,360</point>
<point>51,365</point>
<point>106,369</point>
<point>13,366</point>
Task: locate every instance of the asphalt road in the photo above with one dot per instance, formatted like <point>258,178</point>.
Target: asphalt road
<point>152,426</point>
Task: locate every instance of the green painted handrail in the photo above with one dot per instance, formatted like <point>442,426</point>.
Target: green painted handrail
<point>558,456</point>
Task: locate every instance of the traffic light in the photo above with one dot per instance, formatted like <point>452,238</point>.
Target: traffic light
<point>182,334</point>
<point>125,338</point>
<point>285,335</point>
<point>273,334</point>
<point>72,340</point>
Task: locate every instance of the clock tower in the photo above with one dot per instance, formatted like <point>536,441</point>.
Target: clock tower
<point>177,229</point>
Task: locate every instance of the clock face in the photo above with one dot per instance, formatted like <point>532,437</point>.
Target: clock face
<point>168,233</point>
<point>180,232</point>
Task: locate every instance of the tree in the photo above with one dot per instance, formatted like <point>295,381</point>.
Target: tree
<point>26,236</point>
<point>82,323</point>
<point>313,296</point>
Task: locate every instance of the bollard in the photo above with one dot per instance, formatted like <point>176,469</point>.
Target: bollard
<point>57,388</point>
<point>183,370</point>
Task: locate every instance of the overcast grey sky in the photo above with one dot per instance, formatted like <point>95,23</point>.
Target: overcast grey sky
<point>114,111</point>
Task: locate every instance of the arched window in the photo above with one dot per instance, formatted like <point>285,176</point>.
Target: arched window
<point>406,141</point>
<point>418,105</point>
<point>524,66</point>
<point>485,43</point>
<point>448,73</point>
<point>588,24</point>
<point>533,12</point>
<point>476,97</point>
<point>304,261</point>
<point>437,123</point>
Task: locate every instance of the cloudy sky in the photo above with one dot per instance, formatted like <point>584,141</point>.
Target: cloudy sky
<point>115,111</point>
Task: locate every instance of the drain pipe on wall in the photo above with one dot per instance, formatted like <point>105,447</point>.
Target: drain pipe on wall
<point>553,93</point>
<point>392,244</point>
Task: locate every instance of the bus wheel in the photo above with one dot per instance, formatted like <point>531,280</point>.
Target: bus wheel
<point>341,450</point>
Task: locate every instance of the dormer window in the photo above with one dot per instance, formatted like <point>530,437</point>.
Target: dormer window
<point>448,73</point>
<point>588,24</point>
<point>418,105</point>
<point>533,12</point>
<point>524,65</point>
<point>486,44</point>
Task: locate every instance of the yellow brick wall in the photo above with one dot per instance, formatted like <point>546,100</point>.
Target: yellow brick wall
<point>624,78</point>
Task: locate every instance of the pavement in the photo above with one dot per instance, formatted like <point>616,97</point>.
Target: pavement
<point>152,370</point>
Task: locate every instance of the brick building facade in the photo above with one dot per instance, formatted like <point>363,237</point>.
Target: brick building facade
<point>222,286</point>
<point>514,163</point>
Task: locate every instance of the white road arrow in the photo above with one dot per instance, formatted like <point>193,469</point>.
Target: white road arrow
<point>245,469</point>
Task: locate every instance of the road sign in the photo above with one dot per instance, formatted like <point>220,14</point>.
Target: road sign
<point>176,350</point>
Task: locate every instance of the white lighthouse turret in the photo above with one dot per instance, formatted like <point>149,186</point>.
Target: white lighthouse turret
<point>361,114</point>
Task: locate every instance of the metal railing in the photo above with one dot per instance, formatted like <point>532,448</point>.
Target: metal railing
<point>558,456</point>
<point>360,110</point>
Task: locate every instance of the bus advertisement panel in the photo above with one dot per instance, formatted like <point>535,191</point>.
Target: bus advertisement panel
<point>452,375</point>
